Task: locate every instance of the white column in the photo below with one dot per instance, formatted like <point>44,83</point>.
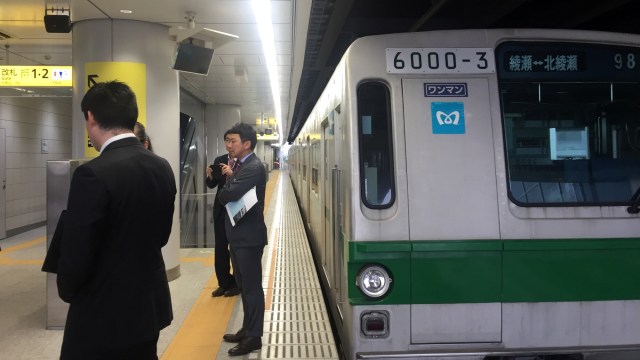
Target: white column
<point>139,42</point>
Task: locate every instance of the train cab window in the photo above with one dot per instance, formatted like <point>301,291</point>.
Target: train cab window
<point>377,186</point>
<point>571,122</point>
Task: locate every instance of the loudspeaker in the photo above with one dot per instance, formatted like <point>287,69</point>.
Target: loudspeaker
<point>57,23</point>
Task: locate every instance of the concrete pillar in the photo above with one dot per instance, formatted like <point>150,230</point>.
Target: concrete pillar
<point>145,43</point>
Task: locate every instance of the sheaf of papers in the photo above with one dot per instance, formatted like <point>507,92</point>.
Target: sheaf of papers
<point>237,209</point>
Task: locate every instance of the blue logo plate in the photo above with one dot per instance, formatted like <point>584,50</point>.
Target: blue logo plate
<point>447,118</point>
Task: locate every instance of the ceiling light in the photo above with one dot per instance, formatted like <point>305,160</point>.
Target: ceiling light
<point>262,12</point>
<point>126,11</point>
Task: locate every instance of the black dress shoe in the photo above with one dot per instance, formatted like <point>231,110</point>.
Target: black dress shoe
<point>234,338</point>
<point>232,292</point>
<point>218,292</point>
<point>247,345</point>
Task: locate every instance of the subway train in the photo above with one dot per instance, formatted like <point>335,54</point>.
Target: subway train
<point>476,193</point>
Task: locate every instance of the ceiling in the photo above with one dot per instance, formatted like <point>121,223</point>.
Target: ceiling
<point>238,74</point>
<point>335,24</point>
<point>310,37</point>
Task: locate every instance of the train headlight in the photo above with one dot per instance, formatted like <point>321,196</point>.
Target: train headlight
<point>373,281</point>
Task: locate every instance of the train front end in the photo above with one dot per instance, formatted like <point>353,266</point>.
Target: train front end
<point>492,198</point>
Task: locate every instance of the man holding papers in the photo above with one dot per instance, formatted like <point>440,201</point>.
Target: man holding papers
<point>247,234</point>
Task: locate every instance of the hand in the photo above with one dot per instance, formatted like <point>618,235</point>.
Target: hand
<point>209,172</point>
<point>226,169</point>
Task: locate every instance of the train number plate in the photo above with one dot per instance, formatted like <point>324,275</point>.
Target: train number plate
<point>440,61</point>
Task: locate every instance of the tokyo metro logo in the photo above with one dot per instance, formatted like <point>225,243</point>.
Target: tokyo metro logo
<point>452,118</point>
<point>447,118</point>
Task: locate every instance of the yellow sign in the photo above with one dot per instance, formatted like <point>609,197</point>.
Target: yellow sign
<point>132,74</point>
<point>43,76</point>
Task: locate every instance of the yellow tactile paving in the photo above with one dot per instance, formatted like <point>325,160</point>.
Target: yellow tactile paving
<point>201,333</point>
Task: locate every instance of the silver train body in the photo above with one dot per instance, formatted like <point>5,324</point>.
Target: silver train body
<point>473,193</point>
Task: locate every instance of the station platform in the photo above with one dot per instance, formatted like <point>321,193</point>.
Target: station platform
<point>297,324</point>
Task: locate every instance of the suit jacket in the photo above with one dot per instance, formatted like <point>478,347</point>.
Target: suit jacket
<point>50,263</point>
<point>218,179</point>
<point>111,270</point>
<point>251,229</point>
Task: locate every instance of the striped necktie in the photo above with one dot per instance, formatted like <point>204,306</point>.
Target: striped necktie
<point>232,164</point>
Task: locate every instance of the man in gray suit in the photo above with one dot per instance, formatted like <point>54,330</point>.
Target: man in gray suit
<point>247,238</point>
<point>119,216</point>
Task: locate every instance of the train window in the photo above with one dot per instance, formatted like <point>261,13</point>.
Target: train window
<point>377,187</point>
<point>315,151</point>
<point>305,157</point>
<point>314,180</point>
<point>571,122</point>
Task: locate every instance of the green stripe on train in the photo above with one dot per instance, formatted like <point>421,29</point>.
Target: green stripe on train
<point>478,271</point>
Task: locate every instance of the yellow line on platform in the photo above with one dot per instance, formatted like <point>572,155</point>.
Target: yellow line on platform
<point>272,272</point>
<point>200,335</point>
<point>7,260</point>
<point>206,261</point>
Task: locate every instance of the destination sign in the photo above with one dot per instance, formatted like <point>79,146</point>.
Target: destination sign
<point>567,61</point>
<point>544,62</point>
<point>41,76</point>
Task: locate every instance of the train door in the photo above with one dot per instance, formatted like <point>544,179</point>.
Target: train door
<point>3,184</point>
<point>307,181</point>
<point>453,211</point>
<point>327,203</point>
<point>315,210</point>
<point>335,213</point>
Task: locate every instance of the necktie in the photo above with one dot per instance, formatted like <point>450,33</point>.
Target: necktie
<point>232,164</point>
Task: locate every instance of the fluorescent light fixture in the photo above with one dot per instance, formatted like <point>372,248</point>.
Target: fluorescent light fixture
<point>126,11</point>
<point>221,33</point>
<point>262,12</point>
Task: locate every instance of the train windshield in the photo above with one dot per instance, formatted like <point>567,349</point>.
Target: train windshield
<point>571,122</point>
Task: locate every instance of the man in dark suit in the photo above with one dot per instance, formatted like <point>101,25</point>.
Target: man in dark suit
<point>217,176</point>
<point>247,238</point>
<point>119,216</point>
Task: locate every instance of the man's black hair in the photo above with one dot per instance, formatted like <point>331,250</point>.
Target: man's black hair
<point>113,105</point>
<point>246,132</point>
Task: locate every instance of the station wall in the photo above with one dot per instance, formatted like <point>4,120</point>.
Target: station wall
<point>37,130</point>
